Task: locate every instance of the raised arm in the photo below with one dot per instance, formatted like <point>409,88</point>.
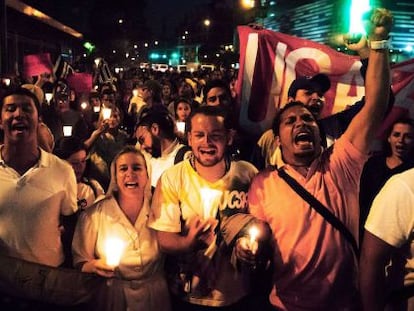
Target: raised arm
<point>364,125</point>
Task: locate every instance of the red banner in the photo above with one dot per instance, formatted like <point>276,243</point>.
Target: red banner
<point>270,61</point>
<point>81,82</point>
<point>36,64</point>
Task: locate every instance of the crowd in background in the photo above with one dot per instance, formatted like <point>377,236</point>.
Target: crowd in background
<point>132,158</point>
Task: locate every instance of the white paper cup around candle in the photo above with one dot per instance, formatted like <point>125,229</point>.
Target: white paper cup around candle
<point>7,81</point>
<point>106,113</point>
<point>96,108</point>
<point>180,126</point>
<point>67,130</point>
<point>48,97</point>
<point>114,248</point>
<point>135,92</point>
<point>253,234</point>
<point>210,198</point>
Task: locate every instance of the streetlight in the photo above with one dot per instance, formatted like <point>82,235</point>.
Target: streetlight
<point>248,4</point>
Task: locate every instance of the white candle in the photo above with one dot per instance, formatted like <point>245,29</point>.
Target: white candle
<point>253,234</point>
<point>96,108</point>
<point>210,198</point>
<point>180,126</point>
<point>84,105</point>
<point>114,248</point>
<point>67,130</point>
<point>48,97</point>
<point>106,113</point>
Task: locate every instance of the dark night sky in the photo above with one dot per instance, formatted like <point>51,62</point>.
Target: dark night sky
<point>169,11</point>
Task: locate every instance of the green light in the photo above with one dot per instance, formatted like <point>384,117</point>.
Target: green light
<point>89,46</point>
<point>175,55</point>
<point>154,56</point>
<point>357,9</point>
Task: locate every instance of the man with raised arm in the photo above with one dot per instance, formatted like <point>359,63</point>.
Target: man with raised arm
<point>315,266</point>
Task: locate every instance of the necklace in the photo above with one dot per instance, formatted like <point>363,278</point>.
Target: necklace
<point>227,163</point>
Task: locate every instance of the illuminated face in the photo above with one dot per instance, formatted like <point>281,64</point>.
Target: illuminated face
<point>313,99</point>
<point>131,174</point>
<point>208,139</point>
<point>185,90</point>
<point>95,102</point>
<point>108,100</point>
<point>62,102</point>
<point>148,141</point>
<point>183,111</point>
<point>166,90</point>
<point>19,119</point>
<point>146,93</point>
<point>217,96</point>
<point>78,162</point>
<point>115,119</point>
<point>401,140</point>
<point>299,135</point>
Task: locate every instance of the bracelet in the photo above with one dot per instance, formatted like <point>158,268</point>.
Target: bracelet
<point>379,45</point>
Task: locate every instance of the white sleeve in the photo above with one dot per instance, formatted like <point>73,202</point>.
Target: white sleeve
<point>391,217</point>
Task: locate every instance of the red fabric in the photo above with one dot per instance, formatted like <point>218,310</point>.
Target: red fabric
<point>270,61</point>
<point>37,64</point>
<point>81,82</point>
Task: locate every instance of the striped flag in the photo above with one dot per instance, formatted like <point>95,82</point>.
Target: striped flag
<point>103,74</point>
<point>62,69</point>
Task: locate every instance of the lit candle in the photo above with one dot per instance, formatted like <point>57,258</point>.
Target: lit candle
<point>48,97</point>
<point>253,234</point>
<point>84,105</point>
<point>135,92</point>
<point>67,130</point>
<point>114,248</point>
<point>96,108</point>
<point>180,126</point>
<point>6,81</point>
<point>106,113</point>
<point>210,198</point>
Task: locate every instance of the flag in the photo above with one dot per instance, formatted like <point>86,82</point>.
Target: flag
<point>270,61</point>
<point>103,74</point>
<point>62,69</point>
<point>36,64</point>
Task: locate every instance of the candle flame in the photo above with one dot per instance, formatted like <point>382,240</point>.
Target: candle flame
<point>114,247</point>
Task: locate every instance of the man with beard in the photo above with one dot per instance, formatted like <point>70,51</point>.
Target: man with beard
<point>155,134</point>
<point>315,267</point>
<point>198,211</point>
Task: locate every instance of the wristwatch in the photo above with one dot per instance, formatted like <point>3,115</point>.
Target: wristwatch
<point>379,45</point>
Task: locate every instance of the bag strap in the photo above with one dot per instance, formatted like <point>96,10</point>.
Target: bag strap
<point>321,209</point>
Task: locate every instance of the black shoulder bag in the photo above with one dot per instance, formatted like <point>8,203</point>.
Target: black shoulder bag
<point>321,209</point>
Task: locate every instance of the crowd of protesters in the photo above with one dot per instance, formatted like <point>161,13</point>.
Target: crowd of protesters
<point>205,215</point>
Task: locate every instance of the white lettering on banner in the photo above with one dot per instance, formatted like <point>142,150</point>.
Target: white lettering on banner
<point>233,199</point>
<point>321,60</point>
<point>342,93</point>
<point>249,63</point>
<point>290,59</point>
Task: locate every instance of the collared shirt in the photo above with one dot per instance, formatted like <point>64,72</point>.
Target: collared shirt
<point>30,209</point>
<point>315,267</point>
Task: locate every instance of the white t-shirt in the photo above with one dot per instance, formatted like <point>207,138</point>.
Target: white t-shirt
<point>391,218</point>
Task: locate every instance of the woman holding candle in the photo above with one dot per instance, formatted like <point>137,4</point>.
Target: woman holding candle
<point>137,280</point>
